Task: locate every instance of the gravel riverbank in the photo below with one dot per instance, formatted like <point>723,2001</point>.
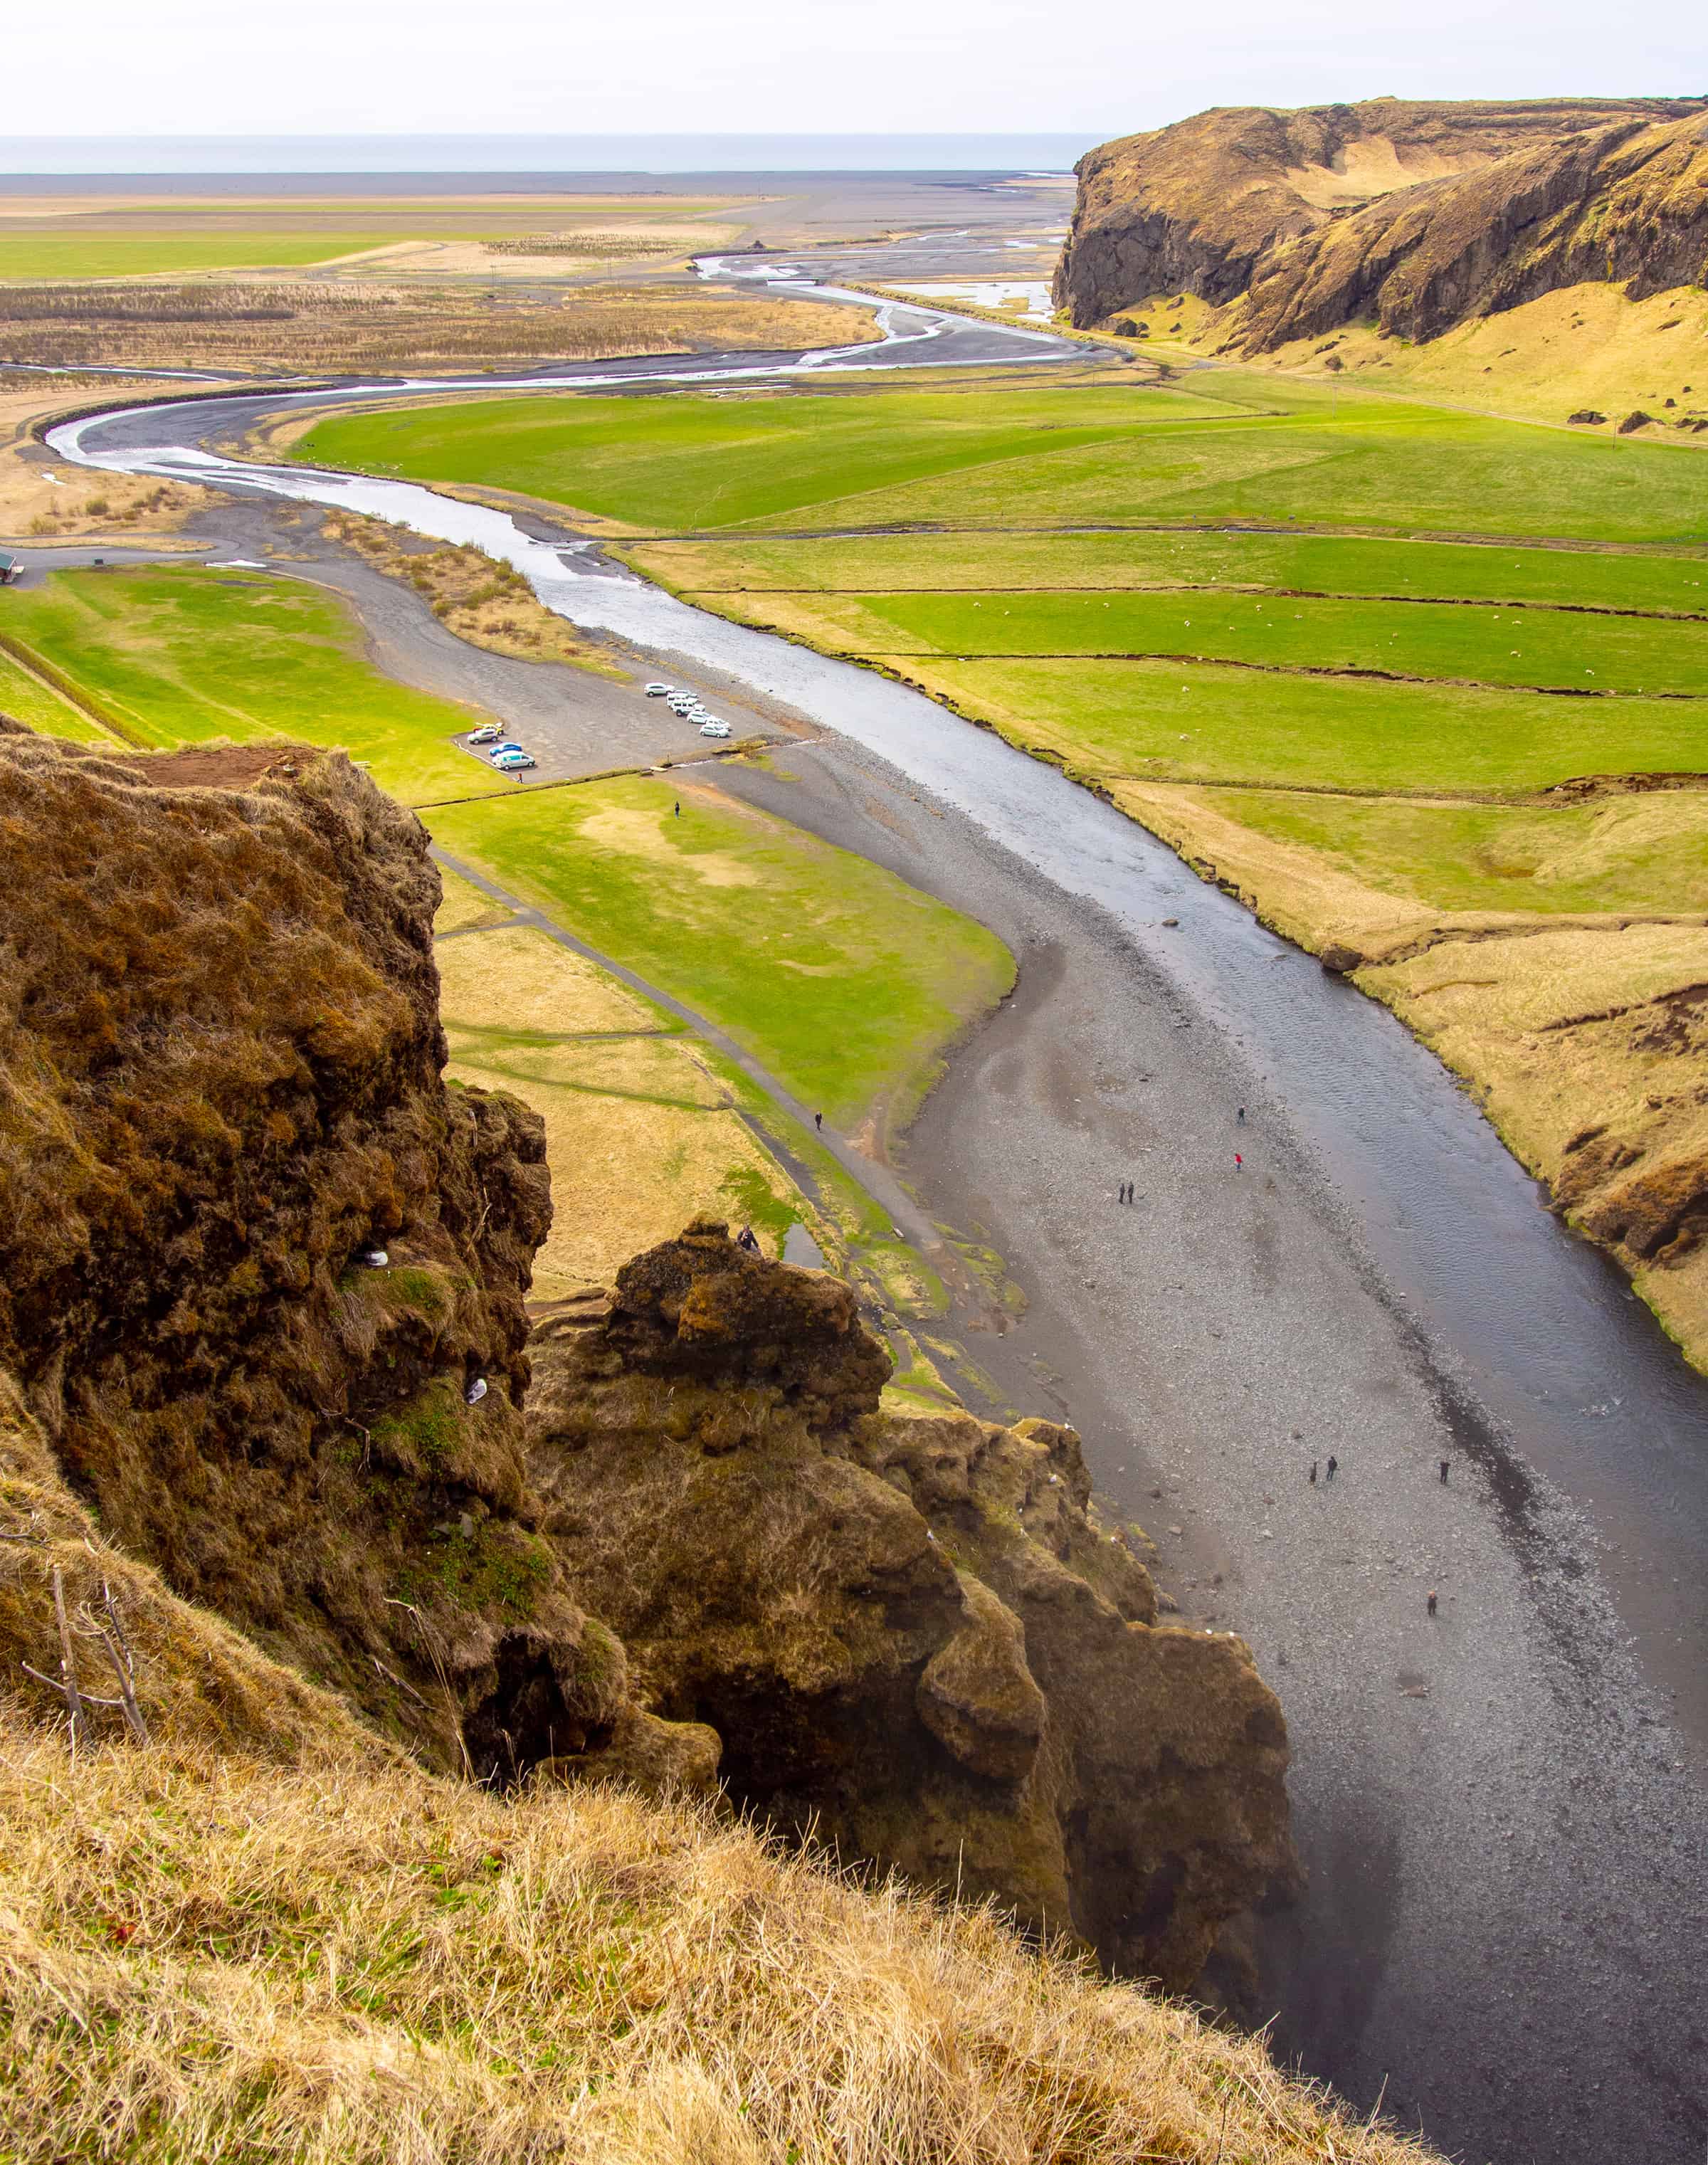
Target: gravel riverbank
<point>1503,1929</point>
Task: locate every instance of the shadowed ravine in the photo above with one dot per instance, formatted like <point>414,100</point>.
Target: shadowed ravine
<point>1507,1901</point>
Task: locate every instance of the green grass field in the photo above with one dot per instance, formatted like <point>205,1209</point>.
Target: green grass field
<point>28,700</point>
<point>1106,563</point>
<point>179,654</point>
<point>844,980</point>
<point>1485,645</point>
<point>1003,459</point>
<point>38,256</point>
<point>722,461</point>
<point>1162,721</point>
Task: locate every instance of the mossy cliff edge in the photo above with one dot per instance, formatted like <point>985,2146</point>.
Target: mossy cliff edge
<point>698,1535</point>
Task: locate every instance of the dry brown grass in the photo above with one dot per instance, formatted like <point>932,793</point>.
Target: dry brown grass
<point>203,1958</point>
<point>472,594</point>
<point>462,906</point>
<point>42,500</point>
<point>1589,1050</point>
<point>641,1135</point>
<point>1582,348</point>
<point>345,327</point>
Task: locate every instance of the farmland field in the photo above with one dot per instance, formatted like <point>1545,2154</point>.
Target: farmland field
<point>1072,453</point>
<point>71,255</point>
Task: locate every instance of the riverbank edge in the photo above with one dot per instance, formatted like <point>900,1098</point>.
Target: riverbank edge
<point>1693,1345</point>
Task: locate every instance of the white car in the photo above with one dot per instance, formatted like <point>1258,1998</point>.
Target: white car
<point>712,727</point>
<point>487,733</point>
<point>513,760</point>
<point>682,703</point>
<point>659,691</point>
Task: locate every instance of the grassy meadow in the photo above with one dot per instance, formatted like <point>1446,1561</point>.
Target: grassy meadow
<point>1070,453</point>
<point>843,981</point>
<point>180,655</point>
<point>74,255</point>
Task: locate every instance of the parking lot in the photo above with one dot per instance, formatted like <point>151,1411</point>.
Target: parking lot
<point>606,724</point>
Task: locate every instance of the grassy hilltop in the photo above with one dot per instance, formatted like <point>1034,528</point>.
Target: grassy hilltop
<point>1419,684</point>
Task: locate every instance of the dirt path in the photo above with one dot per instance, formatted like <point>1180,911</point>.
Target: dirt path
<point>1504,1919</point>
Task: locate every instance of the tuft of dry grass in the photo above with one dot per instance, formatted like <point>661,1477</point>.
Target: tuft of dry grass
<point>207,1958</point>
<point>486,602</point>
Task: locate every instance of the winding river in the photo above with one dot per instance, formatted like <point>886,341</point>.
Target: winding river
<point>1571,1388</point>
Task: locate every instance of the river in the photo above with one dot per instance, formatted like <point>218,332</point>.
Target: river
<point>1588,1433</point>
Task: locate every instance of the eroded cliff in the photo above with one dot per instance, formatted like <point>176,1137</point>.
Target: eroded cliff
<point>1417,215</point>
<point>911,1632</point>
<point>264,1353</point>
<point>220,1090</point>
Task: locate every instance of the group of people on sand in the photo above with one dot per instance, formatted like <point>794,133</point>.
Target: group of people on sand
<point>1125,1193</point>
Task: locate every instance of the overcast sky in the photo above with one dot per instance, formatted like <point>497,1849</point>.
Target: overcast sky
<point>575,66</point>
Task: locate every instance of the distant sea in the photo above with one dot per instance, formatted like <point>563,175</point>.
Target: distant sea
<point>559,157</point>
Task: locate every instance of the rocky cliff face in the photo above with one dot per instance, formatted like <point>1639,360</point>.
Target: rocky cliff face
<point>1416,214</point>
<point>911,1633</point>
<point>219,1088</point>
<point>220,1099</point>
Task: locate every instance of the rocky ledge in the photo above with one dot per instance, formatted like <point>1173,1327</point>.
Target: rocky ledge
<point>913,1634</point>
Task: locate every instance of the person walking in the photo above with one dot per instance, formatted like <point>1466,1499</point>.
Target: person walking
<point>1241,1116</point>
<point>678,808</point>
<point>1333,1466</point>
<point>818,1122</point>
<point>1431,1601</point>
<point>1444,1473</point>
<point>1239,1162</point>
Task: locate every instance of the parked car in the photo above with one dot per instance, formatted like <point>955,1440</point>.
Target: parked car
<point>659,691</point>
<point>515,760</point>
<point>487,733</point>
<point>503,745</point>
<point>715,728</point>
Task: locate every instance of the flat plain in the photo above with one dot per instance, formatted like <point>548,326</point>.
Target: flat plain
<point>1077,453</point>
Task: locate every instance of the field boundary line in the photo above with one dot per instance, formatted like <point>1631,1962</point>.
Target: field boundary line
<point>1235,590</point>
<point>876,1182</point>
<point>80,701</point>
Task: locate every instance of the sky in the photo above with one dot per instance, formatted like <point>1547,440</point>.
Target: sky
<point>1104,67</point>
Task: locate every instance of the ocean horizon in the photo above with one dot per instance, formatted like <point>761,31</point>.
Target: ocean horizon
<point>540,156</point>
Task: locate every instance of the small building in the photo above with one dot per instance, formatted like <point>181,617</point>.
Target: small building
<point>9,568</point>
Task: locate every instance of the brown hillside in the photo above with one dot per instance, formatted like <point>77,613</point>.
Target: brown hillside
<point>1417,214</point>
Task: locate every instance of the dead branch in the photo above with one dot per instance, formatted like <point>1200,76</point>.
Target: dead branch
<point>68,1663</point>
<point>53,1683</point>
<point>118,1654</point>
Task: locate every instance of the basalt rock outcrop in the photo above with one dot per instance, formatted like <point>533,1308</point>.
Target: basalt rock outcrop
<point>219,1089</point>
<point>1416,215</point>
<point>912,1635</point>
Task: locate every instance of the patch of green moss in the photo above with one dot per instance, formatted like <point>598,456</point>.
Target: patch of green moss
<point>490,1567</point>
<point>752,1199</point>
<point>423,1434</point>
